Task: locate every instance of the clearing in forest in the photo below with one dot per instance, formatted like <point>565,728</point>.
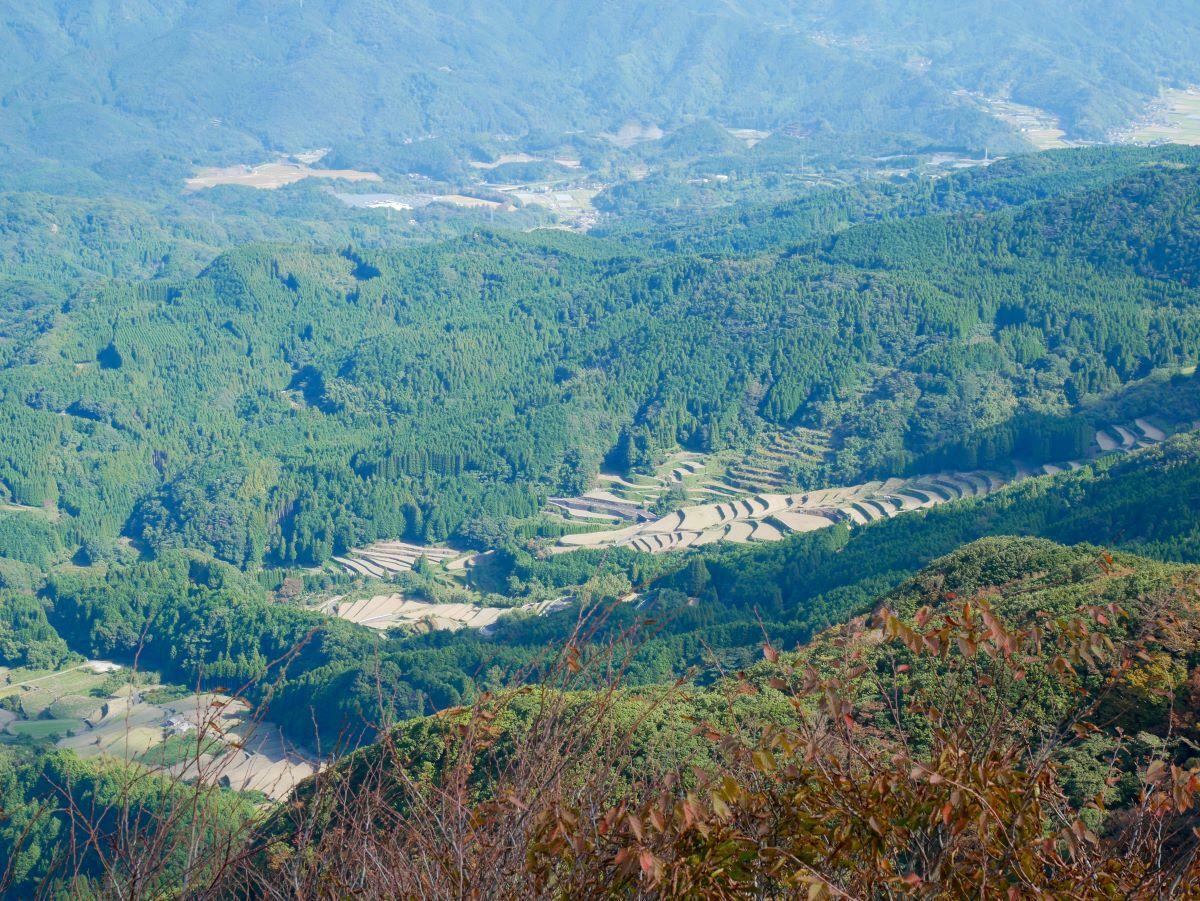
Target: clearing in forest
<point>633,133</point>
<point>270,176</point>
<point>387,558</point>
<point>504,159</point>
<point>391,611</point>
<point>63,705</point>
<point>1037,126</point>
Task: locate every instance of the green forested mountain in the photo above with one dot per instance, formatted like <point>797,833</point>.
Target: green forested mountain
<point>181,613</point>
<point>120,87</point>
<point>1017,582</point>
<point>644,342</point>
<point>288,402</point>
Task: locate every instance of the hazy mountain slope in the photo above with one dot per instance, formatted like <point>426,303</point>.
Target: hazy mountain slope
<point>111,80</point>
<point>1090,63</point>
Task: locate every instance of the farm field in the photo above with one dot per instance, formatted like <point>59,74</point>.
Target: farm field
<point>384,559</point>
<point>633,133</point>
<point>70,706</point>
<point>240,752</point>
<point>1038,127</point>
<point>270,176</point>
<point>771,515</point>
<point>1174,119</point>
<point>468,202</point>
<point>629,498</point>
<point>65,695</point>
<point>503,160</point>
<point>402,202</point>
<point>750,136</point>
<point>390,611</point>
<point>750,497</point>
<point>573,205</point>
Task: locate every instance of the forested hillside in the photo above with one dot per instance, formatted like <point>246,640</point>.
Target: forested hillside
<point>599,449</point>
<point>289,403</point>
<point>1006,664</point>
<point>1013,700</point>
<point>183,615</point>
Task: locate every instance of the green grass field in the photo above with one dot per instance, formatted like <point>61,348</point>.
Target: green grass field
<point>40,730</point>
<point>68,691</point>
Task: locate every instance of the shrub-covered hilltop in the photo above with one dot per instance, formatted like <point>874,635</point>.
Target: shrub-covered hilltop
<point>288,403</point>
<point>1019,713</point>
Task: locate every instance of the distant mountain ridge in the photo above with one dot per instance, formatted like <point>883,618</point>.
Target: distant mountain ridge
<point>113,83</point>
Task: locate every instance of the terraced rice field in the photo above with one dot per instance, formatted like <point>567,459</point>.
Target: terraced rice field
<point>633,133</point>
<point>385,559</point>
<point>503,160</point>
<point>1131,436</point>
<point>252,756</point>
<point>771,515</point>
<point>62,703</point>
<point>628,499</point>
<point>1039,127</point>
<point>392,611</point>
<point>765,468</point>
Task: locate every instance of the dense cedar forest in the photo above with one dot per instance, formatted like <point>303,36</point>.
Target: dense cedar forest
<point>286,403</point>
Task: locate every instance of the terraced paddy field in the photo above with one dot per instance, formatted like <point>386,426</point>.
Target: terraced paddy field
<point>768,467</point>
<point>66,705</point>
<point>385,559</point>
<point>749,498</point>
<point>1039,127</point>
<point>630,498</point>
<point>503,160</point>
<point>771,515</point>
<point>391,611</point>
<point>64,697</point>
<point>239,752</point>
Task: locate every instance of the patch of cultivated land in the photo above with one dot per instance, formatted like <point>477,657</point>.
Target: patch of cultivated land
<point>766,467</point>
<point>64,704</point>
<point>228,746</point>
<point>751,136</point>
<point>630,498</point>
<point>464,200</point>
<point>633,133</point>
<point>270,176</point>
<point>387,558</point>
<point>571,204</point>
<point>402,202</point>
<point>256,758</point>
<point>1039,127</point>
<point>504,159</point>
<point>1173,119</point>
<point>770,515</point>
<point>391,611</point>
